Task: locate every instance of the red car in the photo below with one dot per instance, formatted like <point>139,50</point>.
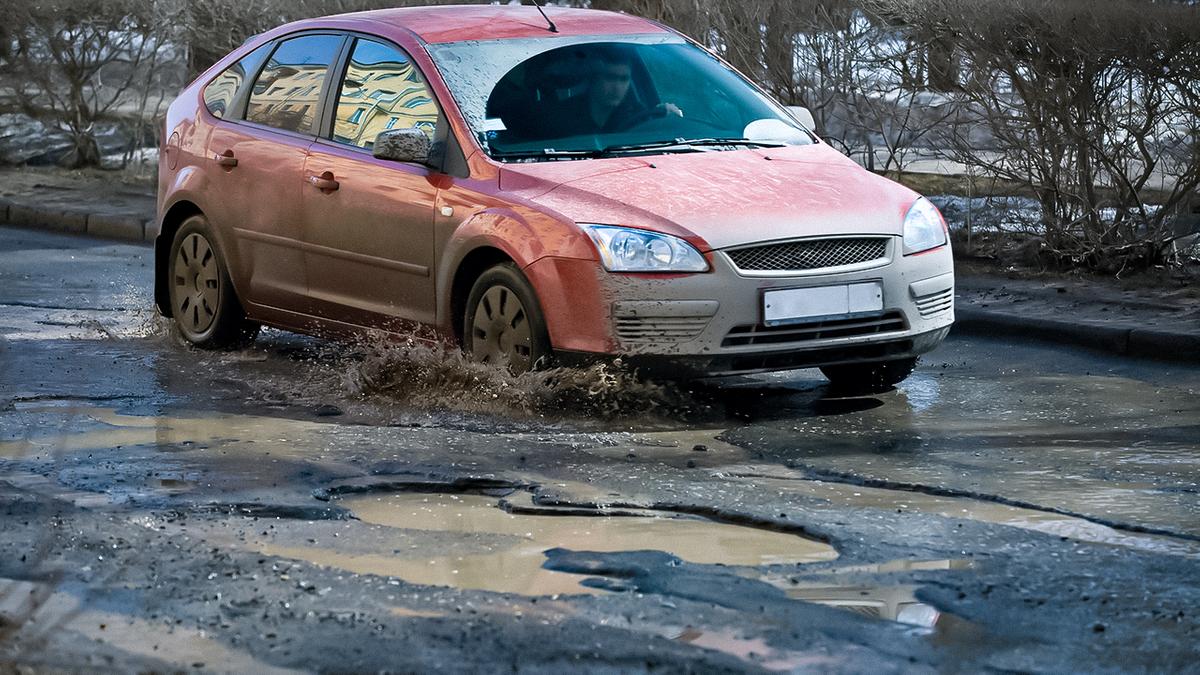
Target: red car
<point>582,185</point>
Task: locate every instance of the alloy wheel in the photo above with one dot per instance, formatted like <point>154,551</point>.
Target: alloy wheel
<point>501,332</point>
<point>197,292</point>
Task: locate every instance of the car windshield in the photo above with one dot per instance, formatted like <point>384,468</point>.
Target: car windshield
<point>569,98</point>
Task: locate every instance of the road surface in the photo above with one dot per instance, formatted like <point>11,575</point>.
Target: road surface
<point>304,505</point>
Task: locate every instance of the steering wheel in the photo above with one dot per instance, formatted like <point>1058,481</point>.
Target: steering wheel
<point>646,114</point>
<point>660,115</point>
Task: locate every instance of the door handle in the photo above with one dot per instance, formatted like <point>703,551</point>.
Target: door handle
<point>226,159</point>
<point>324,182</point>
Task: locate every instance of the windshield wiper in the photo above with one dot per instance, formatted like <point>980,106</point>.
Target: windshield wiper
<point>686,143</point>
<point>683,144</point>
<point>550,153</point>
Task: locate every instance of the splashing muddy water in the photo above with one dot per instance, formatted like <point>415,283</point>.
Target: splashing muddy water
<point>430,373</point>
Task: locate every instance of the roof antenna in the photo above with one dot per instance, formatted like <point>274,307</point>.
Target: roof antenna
<point>553,28</point>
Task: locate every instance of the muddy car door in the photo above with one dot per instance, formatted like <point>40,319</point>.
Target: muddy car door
<point>258,168</point>
<point>368,222</point>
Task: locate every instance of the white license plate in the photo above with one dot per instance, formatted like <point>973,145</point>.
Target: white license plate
<point>823,302</point>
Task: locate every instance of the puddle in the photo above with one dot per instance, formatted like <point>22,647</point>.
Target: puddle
<point>58,430</point>
<point>888,602</point>
<point>897,604</point>
<point>842,495</point>
<point>514,545</point>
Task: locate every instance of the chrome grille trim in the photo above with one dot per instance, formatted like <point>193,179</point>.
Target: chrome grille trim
<point>809,254</point>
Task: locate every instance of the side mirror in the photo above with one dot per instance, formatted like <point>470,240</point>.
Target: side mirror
<point>804,116</point>
<point>403,145</point>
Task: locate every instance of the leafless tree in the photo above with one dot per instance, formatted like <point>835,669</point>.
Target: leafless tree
<point>1093,107</point>
<point>76,65</point>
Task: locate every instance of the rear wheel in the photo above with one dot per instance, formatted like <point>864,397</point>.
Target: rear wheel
<point>203,302</point>
<point>869,378</point>
<point>504,323</point>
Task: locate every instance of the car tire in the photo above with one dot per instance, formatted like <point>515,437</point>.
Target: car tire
<point>869,378</point>
<point>503,323</point>
<point>205,307</point>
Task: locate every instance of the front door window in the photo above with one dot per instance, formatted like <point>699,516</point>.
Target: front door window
<point>286,93</point>
<point>382,90</point>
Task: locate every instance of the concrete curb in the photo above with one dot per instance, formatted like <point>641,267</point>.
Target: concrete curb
<point>1124,340</point>
<point>106,226</point>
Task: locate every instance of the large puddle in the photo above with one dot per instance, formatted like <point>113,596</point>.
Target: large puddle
<point>513,546</point>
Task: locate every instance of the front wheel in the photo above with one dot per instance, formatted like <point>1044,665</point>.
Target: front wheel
<point>869,378</point>
<point>503,323</point>
<point>203,301</point>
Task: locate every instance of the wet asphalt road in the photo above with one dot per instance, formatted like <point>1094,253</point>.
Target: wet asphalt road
<point>305,505</point>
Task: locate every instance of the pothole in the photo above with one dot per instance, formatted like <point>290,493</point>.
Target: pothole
<point>890,602</point>
<point>504,552</point>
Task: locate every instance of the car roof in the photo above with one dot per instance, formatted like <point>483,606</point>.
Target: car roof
<point>456,23</point>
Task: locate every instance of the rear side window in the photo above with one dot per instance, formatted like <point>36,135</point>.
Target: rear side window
<point>221,92</point>
<point>288,89</point>
<point>382,90</point>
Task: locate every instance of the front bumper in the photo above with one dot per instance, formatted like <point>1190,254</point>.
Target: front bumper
<point>713,323</point>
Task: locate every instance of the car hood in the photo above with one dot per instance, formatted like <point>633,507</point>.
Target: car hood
<point>724,198</point>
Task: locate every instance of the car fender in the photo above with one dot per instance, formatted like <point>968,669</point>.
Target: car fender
<point>524,237</point>
<point>190,185</point>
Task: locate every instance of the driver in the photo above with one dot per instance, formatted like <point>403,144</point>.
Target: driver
<point>609,104</point>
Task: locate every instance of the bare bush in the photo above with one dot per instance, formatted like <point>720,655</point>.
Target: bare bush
<point>1093,107</point>
<point>76,65</point>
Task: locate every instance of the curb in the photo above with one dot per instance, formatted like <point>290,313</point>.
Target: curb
<point>1123,340</point>
<point>102,225</point>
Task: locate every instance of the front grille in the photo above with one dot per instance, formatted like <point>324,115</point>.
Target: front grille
<point>816,330</point>
<point>935,303</point>
<point>660,328</point>
<point>809,254</point>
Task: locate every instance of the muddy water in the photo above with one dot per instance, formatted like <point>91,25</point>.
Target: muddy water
<point>881,601</point>
<point>428,373</point>
<point>57,430</point>
<point>515,544</point>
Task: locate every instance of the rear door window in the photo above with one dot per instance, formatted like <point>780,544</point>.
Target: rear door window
<point>287,92</point>
<point>221,92</point>
<point>382,90</point>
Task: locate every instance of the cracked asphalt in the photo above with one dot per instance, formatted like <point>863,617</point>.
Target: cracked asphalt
<point>1010,507</point>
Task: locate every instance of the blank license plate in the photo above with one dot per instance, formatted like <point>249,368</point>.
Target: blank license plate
<point>824,302</point>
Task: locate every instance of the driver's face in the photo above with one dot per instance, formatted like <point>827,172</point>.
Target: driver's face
<point>612,83</point>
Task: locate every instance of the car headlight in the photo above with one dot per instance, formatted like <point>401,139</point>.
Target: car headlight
<point>923,227</point>
<point>624,249</point>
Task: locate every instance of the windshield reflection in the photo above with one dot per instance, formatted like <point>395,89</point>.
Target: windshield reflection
<point>533,100</point>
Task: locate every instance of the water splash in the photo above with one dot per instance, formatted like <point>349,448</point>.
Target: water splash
<point>430,373</point>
